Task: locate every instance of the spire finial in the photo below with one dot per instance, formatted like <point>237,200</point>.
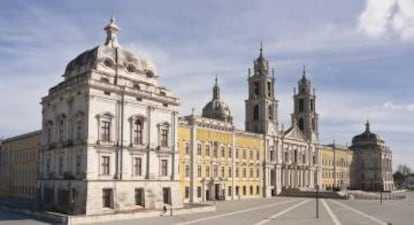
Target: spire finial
<point>367,129</point>
<point>111,31</point>
<point>261,47</point>
<point>216,89</point>
<point>304,70</point>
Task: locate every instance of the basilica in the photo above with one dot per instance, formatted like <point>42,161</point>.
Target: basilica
<point>111,140</point>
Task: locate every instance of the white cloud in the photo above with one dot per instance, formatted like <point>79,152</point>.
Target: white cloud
<point>392,106</point>
<point>385,18</point>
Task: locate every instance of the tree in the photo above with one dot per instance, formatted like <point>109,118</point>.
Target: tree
<point>398,178</point>
<point>404,169</point>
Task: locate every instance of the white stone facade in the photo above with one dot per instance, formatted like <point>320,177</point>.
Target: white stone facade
<point>108,135</point>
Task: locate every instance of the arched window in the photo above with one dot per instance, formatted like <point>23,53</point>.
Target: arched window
<point>270,111</point>
<point>301,124</point>
<point>138,129</point>
<point>313,124</point>
<point>256,112</point>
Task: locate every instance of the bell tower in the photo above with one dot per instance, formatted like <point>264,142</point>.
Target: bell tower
<point>304,112</point>
<point>261,105</point>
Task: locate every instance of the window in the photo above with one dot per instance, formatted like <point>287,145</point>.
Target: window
<point>301,124</point>
<point>105,165</point>
<point>257,155</point>
<point>79,130</point>
<point>229,190</point>
<point>187,192</point>
<point>237,190</point>
<point>230,174</point>
<point>187,149</point>
<point>138,130</point>
<point>207,171</point>
<point>257,189</point>
<point>60,165</point>
<point>244,190</point>
<point>78,164</point>
<point>198,192</point>
<point>215,171</point>
<point>107,196</point>
<point>207,150</point>
<point>48,165</point>
<point>313,124</point>
<point>139,196</point>
<point>251,154</point>
<point>198,149</point>
<point>256,112</point>
<point>187,171</point>
<point>137,166</point>
<point>303,158</point>
<point>199,171</point>
<point>244,172</point>
<point>301,105</point>
<point>106,130</point>
<point>251,172</point>
<point>230,155</point>
<point>49,135</point>
<point>295,156</point>
<point>61,130</point>
<point>237,172</point>
<point>164,167</point>
<point>223,154</point>
<point>257,172</point>
<point>256,88</point>
<point>237,153</point>
<point>222,171</point>
<point>312,107</point>
<point>244,153</point>
<point>270,111</point>
<point>251,190</point>
<point>164,137</point>
<point>269,89</point>
<point>215,150</point>
<point>314,159</point>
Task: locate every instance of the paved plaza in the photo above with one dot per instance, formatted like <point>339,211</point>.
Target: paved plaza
<point>278,210</point>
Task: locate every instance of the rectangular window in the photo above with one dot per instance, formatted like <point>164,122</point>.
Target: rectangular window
<point>257,155</point>
<point>105,165</point>
<point>251,190</point>
<point>137,166</point>
<point>301,105</point>
<point>105,130</point>
<point>187,148</point>
<point>251,172</point>
<point>207,150</point>
<point>223,153</point>
<point>237,153</point>
<point>207,171</point>
<point>215,153</point>
<point>164,138</point>
<point>230,174</point>
<point>237,172</point>
<point>251,154</point>
<point>187,192</point>
<point>230,155</point>
<point>61,130</point>
<point>199,171</point>
<point>244,172</point>
<point>256,89</point>
<point>244,190</point>
<point>257,189</point>
<point>107,196</point>
<point>269,89</point>
<point>198,149</point>
<point>139,196</point>
<point>48,165</point>
<point>164,167</point>
<point>244,153</point>
<point>215,171</point>
<point>237,190</point>
<point>198,192</point>
<point>222,171</point>
<point>78,164</point>
<point>229,190</point>
<point>60,165</point>
<point>187,171</point>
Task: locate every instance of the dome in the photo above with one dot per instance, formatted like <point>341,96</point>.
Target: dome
<point>367,137</point>
<point>217,109</point>
<point>261,65</point>
<point>109,54</point>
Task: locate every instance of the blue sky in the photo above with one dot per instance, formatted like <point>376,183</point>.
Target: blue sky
<point>359,56</point>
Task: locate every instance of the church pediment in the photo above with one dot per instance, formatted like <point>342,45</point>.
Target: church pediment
<point>294,133</point>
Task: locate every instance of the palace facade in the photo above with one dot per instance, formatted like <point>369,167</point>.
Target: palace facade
<point>112,141</point>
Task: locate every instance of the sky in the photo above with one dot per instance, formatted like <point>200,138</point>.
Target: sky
<point>358,55</point>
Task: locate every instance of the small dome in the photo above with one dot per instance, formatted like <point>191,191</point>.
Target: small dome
<point>217,109</point>
<point>367,137</point>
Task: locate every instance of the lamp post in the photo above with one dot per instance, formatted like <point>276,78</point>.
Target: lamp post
<point>317,201</point>
<point>381,189</point>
